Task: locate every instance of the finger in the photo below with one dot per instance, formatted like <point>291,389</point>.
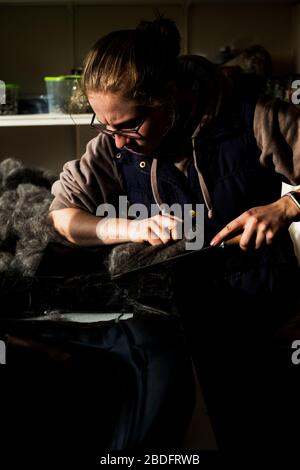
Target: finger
<point>163,233</point>
<point>176,231</point>
<point>260,237</point>
<point>269,237</point>
<point>176,218</point>
<point>173,226</point>
<point>152,238</point>
<point>230,229</point>
<point>169,218</point>
<point>248,234</point>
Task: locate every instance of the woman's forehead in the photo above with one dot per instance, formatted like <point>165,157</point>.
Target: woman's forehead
<point>113,107</point>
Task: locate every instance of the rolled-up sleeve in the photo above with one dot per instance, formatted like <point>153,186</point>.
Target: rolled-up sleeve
<point>277,133</point>
<point>90,181</point>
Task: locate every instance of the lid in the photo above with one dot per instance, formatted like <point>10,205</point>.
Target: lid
<point>62,77</point>
<point>8,85</point>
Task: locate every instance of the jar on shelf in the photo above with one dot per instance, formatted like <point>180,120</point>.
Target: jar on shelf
<point>65,95</point>
<point>9,98</point>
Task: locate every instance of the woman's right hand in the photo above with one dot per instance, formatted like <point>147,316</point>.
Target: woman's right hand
<point>157,230</point>
<point>83,228</point>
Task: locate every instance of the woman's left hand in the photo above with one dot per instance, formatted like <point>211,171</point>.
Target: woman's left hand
<point>259,225</point>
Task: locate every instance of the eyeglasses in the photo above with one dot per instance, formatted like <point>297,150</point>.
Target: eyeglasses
<point>131,133</point>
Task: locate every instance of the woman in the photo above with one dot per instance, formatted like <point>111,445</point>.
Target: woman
<point>174,130</point>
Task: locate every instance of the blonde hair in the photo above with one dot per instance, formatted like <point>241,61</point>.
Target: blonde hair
<point>137,64</point>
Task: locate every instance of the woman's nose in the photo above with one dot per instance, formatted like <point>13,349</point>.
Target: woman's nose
<point>121,140</point>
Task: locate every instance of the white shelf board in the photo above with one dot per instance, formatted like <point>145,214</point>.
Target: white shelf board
<point>51,119</point>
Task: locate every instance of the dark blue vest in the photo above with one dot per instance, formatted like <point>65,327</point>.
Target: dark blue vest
<point>228,157</point>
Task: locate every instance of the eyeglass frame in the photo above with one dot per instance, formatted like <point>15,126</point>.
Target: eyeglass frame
<point>135,130</point>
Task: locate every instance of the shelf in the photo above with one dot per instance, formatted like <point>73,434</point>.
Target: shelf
<point>53,119</point>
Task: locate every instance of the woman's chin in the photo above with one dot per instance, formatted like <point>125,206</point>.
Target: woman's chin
<point>140,152</point>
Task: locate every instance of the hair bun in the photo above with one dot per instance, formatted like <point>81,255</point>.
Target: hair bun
<point>166,33</point>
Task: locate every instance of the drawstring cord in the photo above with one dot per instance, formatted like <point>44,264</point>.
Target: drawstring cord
<point>203,187</point>
<point>154,186</point>
<point>206,196</point>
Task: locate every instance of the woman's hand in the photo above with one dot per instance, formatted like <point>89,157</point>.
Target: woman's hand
<point>157,230</point>
<point>260,224</point>
<point>83,228</point>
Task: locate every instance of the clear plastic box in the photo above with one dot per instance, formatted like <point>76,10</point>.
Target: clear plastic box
<point>65,95</point>
<point>9,98</point>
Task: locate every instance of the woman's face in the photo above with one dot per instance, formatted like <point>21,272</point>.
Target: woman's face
<point>118,114</point>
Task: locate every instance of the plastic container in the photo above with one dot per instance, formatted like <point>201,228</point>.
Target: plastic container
<point>33,104</point>
<point>9,98</point>
<point>65,95</point>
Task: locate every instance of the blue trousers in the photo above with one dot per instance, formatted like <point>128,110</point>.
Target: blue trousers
<point>131,379</point>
